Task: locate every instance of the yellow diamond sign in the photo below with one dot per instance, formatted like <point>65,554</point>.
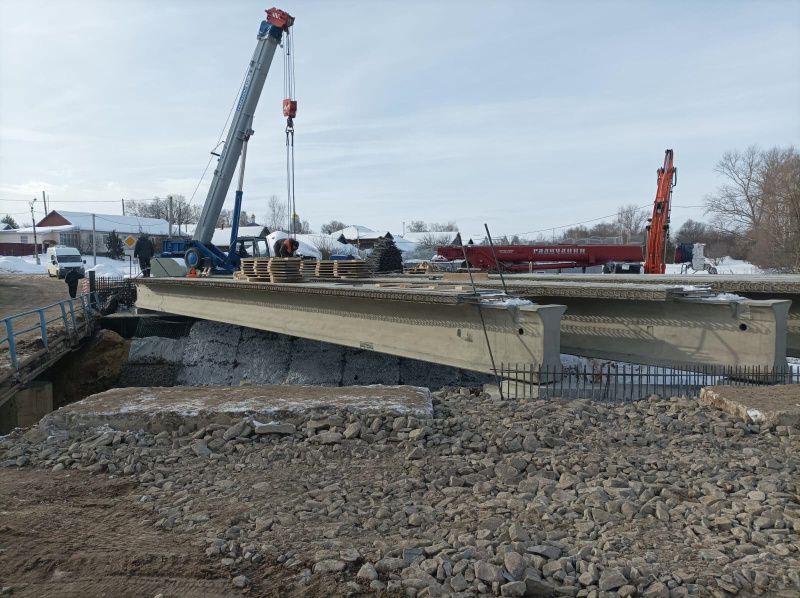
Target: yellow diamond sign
<point>130,241</point>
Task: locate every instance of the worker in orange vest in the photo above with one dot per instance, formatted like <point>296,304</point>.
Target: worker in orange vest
<point>285,247</point>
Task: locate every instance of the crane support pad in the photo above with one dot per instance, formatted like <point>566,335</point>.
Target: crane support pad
<point>439,325</point>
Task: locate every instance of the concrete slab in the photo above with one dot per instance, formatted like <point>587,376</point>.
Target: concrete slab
<point>156,409</point>
<point>767,405</point>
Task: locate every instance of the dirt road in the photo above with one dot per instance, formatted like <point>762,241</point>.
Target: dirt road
<point>21,292</point>
<point>73,534</point>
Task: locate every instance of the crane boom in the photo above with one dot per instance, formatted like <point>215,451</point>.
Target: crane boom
<point>658,229</point>
<point>269,36</point>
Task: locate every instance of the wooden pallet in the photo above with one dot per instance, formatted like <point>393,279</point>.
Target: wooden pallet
<point>277,269</point>
<point>325,268</point>
<point>308,267</point>
<point>351,269</point>
<point>285,269</point>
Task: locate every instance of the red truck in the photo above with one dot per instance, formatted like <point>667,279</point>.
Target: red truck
<point>528,258</point>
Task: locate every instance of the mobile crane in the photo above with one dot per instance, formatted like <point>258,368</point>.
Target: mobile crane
<point>658,227</point>
<point>201,252</point>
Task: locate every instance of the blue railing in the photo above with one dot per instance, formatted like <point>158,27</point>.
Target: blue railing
<point>70,313</point>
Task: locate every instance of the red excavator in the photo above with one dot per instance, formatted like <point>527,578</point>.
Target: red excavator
<point>658,228</point>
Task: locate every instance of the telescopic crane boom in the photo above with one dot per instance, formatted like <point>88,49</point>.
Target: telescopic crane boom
<point>658,228</point>
<point>201,250</point>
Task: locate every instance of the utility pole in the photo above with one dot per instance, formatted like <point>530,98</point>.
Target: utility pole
<point>404,228</point>
<point>94,244</point>
<point>44,201</point>
<point>169,197</point>
<point>35,244</point>
<point>123,206</point>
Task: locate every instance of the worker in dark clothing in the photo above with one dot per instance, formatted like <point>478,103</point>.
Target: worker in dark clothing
<point>144,251</point>
<point>71,278</point>
<point>285,247</point>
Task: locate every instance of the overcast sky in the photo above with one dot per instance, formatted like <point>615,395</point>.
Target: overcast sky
<point>526,115</point>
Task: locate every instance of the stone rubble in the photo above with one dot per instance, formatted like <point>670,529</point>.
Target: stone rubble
<point>657,498</point>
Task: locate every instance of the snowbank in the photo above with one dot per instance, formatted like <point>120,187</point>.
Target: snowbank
<point>726,265</point>
<point>22,265</point>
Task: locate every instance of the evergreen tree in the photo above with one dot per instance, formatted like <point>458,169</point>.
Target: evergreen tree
<point>386,257</point>
<point>114,246</point>
<point>9,220</point>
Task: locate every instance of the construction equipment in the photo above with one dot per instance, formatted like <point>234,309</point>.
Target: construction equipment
<point>533,258</point>
<point>202,253</point>
<point>658,226</point>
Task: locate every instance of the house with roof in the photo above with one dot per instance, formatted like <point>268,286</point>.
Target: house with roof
<point>81,230</point>
<point>362,237</point>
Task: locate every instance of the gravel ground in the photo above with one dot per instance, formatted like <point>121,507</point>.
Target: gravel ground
<point>653,498</point>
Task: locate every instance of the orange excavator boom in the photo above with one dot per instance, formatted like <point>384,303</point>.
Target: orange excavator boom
<point>658,227</point>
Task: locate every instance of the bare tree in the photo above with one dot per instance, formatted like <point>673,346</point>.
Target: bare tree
<point>777,240</point>
<point>604,229</point>
<point>738,205</point>
<point>149,208</point>
<point>417,226</point>
<point>326,246</point>
<point>276,218</point>
<point>630,222</point>
<point>225,219</point>
<point>440,227</point>
<point>760,202</point>
<point>183,212</point>
<point>332,227</point>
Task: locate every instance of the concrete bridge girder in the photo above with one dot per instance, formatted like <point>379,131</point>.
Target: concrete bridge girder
<point>735,333</point>
<point>446,331</point>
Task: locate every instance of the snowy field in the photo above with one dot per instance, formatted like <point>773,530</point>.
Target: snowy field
<point>105,266</point>
<point>725,265</point>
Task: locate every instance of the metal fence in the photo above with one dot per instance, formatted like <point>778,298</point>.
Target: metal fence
<point>69,317</point>
<point>626,382</point>
<point>123,289</point>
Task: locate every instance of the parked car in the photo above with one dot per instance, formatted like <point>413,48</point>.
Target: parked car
<point>61,259</point>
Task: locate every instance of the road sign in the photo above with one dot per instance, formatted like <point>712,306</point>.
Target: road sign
<point>128,243</point>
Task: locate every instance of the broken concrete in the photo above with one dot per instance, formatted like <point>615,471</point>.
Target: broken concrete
<point>769,406</point>
<point>159,409</point>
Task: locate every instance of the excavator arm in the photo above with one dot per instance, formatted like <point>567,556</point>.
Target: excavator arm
<point>658,227</point>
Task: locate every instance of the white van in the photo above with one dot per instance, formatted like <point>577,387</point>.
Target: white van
<point>61,259</point>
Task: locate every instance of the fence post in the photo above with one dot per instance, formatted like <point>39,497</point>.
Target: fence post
<point>92,289</point>
<point>72,315</point>
<point>12,346</point>
<point>43,324</point>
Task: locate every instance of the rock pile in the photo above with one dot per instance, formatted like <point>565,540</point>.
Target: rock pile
<point>658,498</point>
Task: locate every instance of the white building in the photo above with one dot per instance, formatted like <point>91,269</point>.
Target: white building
<point>74,229</point>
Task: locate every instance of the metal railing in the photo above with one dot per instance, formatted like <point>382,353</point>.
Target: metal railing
<point>122,288</point>
<point>617,381</point>
<point>69,315</point>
